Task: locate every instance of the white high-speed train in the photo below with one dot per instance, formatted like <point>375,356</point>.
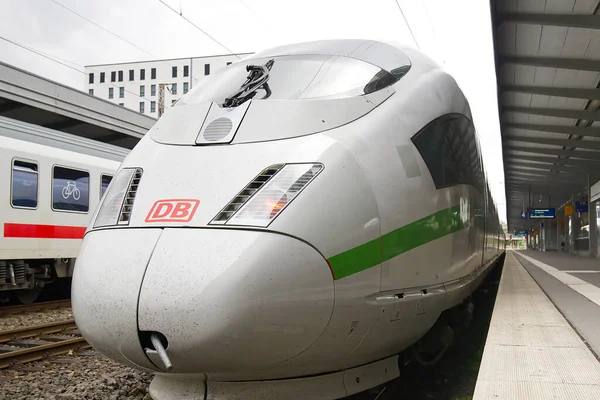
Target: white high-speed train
<point>52,182</point>
<point>295,222</point>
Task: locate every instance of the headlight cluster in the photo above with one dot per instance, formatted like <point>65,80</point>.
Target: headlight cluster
<point>267,195</point>
<point>118,200</point>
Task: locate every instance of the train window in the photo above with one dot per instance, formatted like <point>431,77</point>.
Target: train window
<point>24,191</point>
<point>296,77</point>
<point>104,182</point>
<point>70,189</point>
<point>448,146</point>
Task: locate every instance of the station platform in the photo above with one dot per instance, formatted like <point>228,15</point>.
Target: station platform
<point>544,335</point>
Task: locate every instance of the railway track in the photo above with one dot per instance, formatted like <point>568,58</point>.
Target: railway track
<point>13,349</point>
<point>24,308</point>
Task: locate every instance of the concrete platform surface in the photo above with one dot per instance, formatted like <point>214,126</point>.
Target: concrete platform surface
<point>573,285</point>
<point>532,352</point>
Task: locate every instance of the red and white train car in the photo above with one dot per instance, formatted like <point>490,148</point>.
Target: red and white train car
<point>52,182</point>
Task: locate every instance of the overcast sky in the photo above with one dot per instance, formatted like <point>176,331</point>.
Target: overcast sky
<point>455,33</point>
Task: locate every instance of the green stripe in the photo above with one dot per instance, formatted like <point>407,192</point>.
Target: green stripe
<point>394,243</point>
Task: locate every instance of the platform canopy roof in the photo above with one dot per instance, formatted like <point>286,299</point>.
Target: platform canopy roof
<point>31,98</point>
<point>548,71</point>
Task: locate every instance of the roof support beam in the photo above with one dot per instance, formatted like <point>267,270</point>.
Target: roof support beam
<point>549,180</point>
<point>584,144</point>
<point>577,93</point>
<point>569,20</point>
<point>545,167</point>
<point>582,64</point>
<point>589,155</point>
<point>535,174</point>
<point>587,164</point>
<point>566,129</point>
<point>553,112</point>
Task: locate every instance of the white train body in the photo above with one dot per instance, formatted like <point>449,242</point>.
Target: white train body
<point>52,183</point>
<point>375,217</point>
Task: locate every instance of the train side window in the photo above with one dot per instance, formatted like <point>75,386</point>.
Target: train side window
<point>104,182</point>
<point>70,189</point>
<point>24,188</point>
<point>449,148</point>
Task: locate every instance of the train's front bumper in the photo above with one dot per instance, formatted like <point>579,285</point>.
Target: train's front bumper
<point>226,300</point>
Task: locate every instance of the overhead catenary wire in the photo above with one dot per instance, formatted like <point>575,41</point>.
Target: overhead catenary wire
<point>112,33</point>
<point>50,57</point>
<point>408,25</point>
<point>198,28</point>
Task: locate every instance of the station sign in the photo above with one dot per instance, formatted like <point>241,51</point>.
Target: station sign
<point>568,211</point>
<point>542,213</point>
<point>521,233</point>
<point>581,206</point>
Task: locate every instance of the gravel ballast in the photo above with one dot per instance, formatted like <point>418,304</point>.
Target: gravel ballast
<point>35,318</point>
<point>80,374</point>
<point>83,374</point>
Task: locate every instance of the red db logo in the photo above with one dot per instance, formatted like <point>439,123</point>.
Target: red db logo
<point>172,210</point>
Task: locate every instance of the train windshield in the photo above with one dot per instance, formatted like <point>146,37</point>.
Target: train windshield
<point>293,78</point>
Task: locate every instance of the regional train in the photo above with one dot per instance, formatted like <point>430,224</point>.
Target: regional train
<point>52,181</point>
<point>291,226</point>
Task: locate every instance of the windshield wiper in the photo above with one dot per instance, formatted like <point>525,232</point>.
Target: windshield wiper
<point>257,79</point>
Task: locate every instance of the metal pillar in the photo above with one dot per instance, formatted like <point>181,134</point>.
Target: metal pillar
<point>569,226</point>
<point>593,241</point>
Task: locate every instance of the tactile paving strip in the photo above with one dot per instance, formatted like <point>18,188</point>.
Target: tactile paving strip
<point>531,351</point>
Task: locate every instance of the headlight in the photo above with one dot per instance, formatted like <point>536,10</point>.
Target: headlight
<point>119,197</point>
<point>267,195</point>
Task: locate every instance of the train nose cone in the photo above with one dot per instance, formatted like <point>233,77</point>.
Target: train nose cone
<point>107,278</point>
<point>230,300</point>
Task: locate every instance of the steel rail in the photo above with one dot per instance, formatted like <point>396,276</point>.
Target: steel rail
<point>39,352</point>
<point>29,331</point>
<point>24,308</point>
<point>36,350</point>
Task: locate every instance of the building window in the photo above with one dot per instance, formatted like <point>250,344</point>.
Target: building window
<point>142,91</point>
<point>142,74</point>
<point>173,102</point>
<point>121,92</point>
<point>111,93</point>
<point>142,105</point>
<point>174,73</point>
<point>24,191</point>
<point>131,75</point>
<point>91,91</point>
<point>70,189</point>
<point>122,104</point>
<point>113,76</point>
<point>174,88</point>
<point>206,69</point>
<point>186,86</point>
<point>186,70</point>
<point>91,77</point>
<point>153,90</point>
<point>152,106</point>
<point>153,73</point>
<point>104,182</point>
<point>102,74</point>
<point>120,76</point>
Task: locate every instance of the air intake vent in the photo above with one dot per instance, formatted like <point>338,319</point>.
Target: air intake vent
<point>246,193</point>
<point>217,129</point>
<point>130,197</point>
